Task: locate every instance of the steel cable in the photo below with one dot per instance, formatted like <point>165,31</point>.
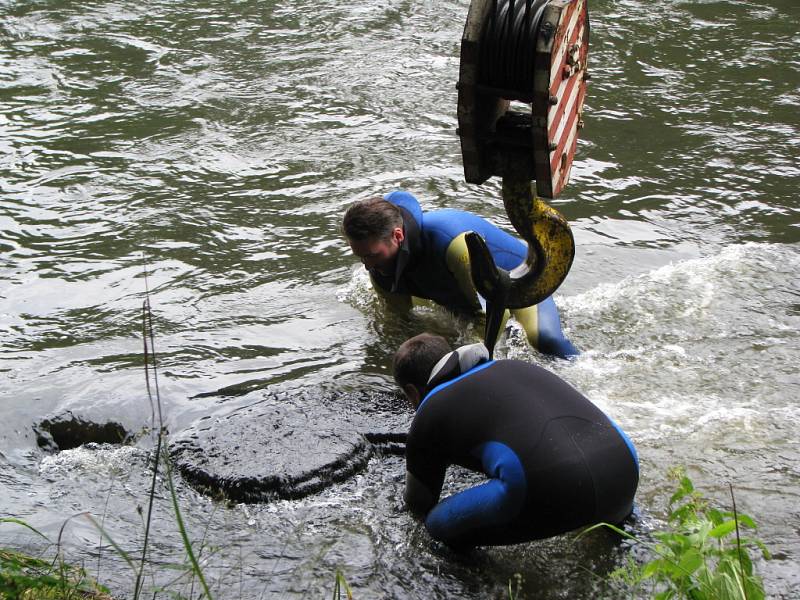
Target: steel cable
<point>508,45</point>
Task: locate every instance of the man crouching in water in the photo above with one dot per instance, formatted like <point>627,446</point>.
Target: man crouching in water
<point>555,462</point>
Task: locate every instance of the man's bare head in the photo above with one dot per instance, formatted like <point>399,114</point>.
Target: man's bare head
<point>373,218</point>
<point>374,230</point>
<point>414,361</point>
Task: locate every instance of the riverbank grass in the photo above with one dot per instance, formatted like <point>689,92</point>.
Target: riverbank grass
<point>26,577</point>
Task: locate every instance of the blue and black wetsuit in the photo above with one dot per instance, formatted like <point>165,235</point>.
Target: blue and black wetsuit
<point>433,263</point>
<point>555,461</point>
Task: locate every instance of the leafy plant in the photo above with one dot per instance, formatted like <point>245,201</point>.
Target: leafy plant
<point>701,556</point>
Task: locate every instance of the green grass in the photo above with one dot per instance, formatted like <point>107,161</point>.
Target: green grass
<point>33,578</point>
<point>30,578</point>
<point>340,585</point>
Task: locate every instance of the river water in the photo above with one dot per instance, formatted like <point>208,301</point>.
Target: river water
<point>223,140</point>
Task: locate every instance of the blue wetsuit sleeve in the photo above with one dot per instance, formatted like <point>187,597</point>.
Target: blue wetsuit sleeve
<point>442,226</point>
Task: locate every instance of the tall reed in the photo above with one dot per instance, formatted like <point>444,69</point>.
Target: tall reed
<point>161,453</point>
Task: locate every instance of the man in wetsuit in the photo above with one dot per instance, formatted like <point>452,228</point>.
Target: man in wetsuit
<point>409,252</point>
<point>555,462</point>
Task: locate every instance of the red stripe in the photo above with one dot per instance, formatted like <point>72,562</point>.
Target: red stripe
<point>580,26</point>
<point>564,175</point>
<point>564,19</point>
<point>562,106</point>
<point>562,150</point>
<point>561,35</point>
<point>571,124</point>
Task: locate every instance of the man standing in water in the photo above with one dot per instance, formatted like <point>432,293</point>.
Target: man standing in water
<point>411,253</point>
<point>555,462</point>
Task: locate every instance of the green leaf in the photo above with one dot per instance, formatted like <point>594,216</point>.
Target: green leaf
<point>685,488</point>
<point>716,516</point>
<point>613,528</point>
<point>698,594</point>
<point>679,542</point>
<point>654,567</point>
<point>746,521</point>
<point>23,523</point>
<point>690,561</point>
<point>723,530</point>
<point>684,515</point>
<point>764,550</point>
<point>727,586</point>
<point>743,559</point>
<point>755,591</point>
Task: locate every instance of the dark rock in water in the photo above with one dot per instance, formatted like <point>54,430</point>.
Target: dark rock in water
<point>388,442</point>
<point>66,431</point>
<point>284,447</point>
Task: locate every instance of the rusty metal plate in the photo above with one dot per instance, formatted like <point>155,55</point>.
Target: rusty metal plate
<point>560,76</point>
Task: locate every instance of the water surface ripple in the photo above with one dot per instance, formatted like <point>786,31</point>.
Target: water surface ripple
<point>214,146</point>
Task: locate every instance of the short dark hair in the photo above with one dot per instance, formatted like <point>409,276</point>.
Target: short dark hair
<point>371,218</point>
<point>416,357</point>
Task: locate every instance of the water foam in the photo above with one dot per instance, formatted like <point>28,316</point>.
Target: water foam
<point>700,347</point>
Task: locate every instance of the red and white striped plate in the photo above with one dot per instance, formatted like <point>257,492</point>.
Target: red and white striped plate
<point>562,49</point>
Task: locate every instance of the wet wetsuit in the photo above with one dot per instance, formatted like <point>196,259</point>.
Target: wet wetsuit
<point>555,461</point>
<point>433,263</point>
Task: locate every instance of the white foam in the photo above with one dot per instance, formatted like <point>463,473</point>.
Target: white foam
<point>695,283</point>
<point>358,291</point>
<point>704,347</point>
<point>92,458</point>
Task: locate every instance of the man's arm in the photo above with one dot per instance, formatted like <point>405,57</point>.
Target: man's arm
<point>396,302</point>
<point>424,479</point>
<point>419,499</point>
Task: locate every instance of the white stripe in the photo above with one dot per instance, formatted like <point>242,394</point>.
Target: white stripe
<point>563,81</point>
<point>567,112</point>
<point>565,43</point>
<point>559,95</point>
<point>567,146</point>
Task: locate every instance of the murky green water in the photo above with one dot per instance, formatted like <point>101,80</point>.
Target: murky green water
<point>224,141</point>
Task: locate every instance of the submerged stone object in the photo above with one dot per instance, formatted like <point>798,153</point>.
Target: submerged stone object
<point>286,446</point>
<point>67,431</point>
<point>388,442</point>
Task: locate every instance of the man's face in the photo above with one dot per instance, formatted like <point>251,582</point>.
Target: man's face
<point>377,253</point>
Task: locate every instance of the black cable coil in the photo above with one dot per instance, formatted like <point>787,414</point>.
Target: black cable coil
<point>508,45</point>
